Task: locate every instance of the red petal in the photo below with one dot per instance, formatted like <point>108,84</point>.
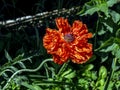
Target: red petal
<point>63,25</point>
<point>82,54</point>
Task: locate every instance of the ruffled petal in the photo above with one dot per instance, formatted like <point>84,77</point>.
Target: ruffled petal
<point>81,54</point>
<point>51,40</point>
<point>63,25</point>
<point>68,42</point>
<point>80,33</point>
<point>59,60</point>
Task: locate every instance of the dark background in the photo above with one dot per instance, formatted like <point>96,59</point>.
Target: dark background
<point>10,9</point>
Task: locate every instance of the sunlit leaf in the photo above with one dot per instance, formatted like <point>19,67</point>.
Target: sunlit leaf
<point>115,15</point>
<point>70,75</point>
<point>90,8</point>
<point>111,2</point>
<point>102,72</point>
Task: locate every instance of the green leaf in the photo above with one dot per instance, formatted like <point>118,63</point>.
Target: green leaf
<point>91,11</point>
<point>25,84</point>
<point>115,15</point>
<point>70,75</point>
<point>22,64</point>
<point>101,31</point>
<point>111,2</point>
<point>109,28</point>
<point>94,6</point>
<point>66,72</point>
<point>19,57</point>
<point>104,57</point>
<point>8,57</point>
<point>89,67</point>
<point>37,87</point>
<point>13,68</point>
<point>106,43</point>
<point>102,72</point>
<point>111,47</point>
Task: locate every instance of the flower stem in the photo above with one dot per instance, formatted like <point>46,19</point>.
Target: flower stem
<point>113,66</point>
<point>25,70</point>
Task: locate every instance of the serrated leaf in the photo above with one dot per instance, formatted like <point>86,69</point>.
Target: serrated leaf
<point>8,57</point>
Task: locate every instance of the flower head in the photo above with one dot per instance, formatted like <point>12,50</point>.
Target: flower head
<point>68,42</point>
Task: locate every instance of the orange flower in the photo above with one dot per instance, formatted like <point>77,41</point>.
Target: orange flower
<point>68,42</point>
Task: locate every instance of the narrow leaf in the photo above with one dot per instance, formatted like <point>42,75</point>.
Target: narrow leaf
<point>8,57</point>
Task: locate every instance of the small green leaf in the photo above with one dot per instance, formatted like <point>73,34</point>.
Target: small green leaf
<point>22,64</point>
<point>101,31</point>
<point>89,67</point>
<point>66,72</point>
<point>102,72</point>
<point>70,75</point>
<point>8,57</point>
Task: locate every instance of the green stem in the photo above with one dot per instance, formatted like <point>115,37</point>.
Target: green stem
<point>113,66</point>
<point>95,39</point>
<point>63,68</point>
<point>25,70</point>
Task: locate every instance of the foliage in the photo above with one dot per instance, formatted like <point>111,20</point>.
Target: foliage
<point>25,64</point>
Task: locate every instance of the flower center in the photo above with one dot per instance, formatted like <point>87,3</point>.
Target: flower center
<point>68,37</point>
